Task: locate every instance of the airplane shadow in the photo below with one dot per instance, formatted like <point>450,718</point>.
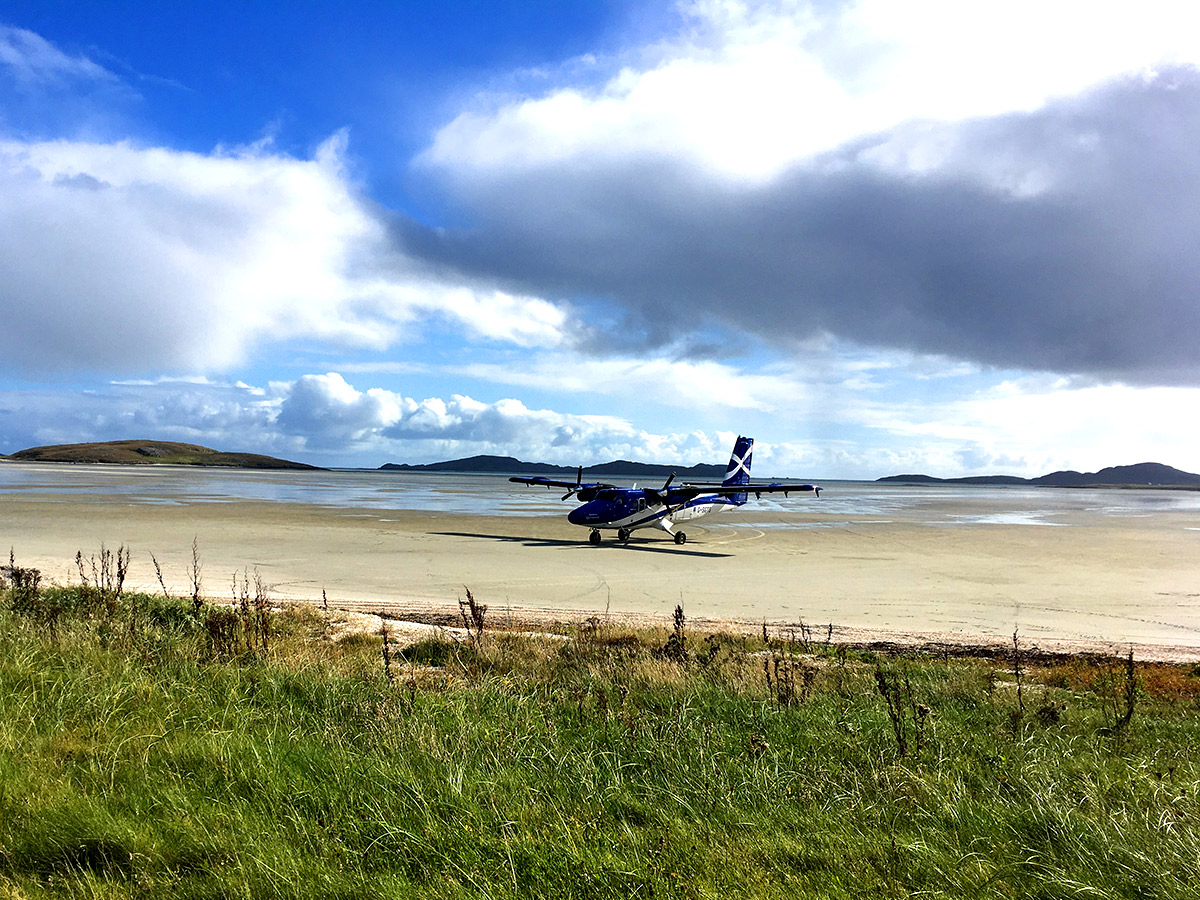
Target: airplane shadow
<point>633,546</point>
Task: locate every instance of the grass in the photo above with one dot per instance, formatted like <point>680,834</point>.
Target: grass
<point>144,753</point>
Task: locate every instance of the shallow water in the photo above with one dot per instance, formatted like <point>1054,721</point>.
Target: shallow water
<point>366,492</point>
<point>348,489</point>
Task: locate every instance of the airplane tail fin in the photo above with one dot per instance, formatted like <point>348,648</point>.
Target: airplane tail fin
<point>739,467</point>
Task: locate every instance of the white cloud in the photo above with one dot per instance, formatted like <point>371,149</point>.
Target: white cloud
<point>1058,424</point>
<point>126,259</point>
<point>328,413</point>
<point>752,88</point>
<point>195,410</point>
<point>499,316</point>
<point>33,60</point>
<point>1025,426</point>
<point>326,410</point>
<point>679,383</point>
<point>326,419</point>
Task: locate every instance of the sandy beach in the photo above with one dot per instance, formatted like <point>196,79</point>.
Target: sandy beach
<point>1103,582</point>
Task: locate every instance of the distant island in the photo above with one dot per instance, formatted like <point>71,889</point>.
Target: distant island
<point>140,453</point>
<point>508,465</point>
<point>1140,475</point>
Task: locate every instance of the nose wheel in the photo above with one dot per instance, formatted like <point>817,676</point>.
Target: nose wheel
<point>680,537</point>
<point>594,537</point>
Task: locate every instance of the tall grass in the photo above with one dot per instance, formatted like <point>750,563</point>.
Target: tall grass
<point>165,760</point>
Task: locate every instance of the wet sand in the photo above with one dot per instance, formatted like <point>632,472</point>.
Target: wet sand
<point>1102,583</point>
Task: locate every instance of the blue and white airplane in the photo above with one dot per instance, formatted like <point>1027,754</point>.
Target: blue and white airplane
<point>630,508</point>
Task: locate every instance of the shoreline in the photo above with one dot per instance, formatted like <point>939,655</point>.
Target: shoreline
<point>955,569</point>
<point>413,621</point>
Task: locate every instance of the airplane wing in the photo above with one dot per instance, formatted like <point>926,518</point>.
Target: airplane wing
<point>583,490</point>
<point>545,482</point>
<point>693,489</point>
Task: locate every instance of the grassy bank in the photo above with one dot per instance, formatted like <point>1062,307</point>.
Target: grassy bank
<point>153,747</point>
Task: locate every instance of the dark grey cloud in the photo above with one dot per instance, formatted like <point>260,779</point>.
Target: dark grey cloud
<point>1063,240</point>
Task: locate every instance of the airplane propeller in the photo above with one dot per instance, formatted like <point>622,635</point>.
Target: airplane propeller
<point>578,484</point>
<point>660,495</point>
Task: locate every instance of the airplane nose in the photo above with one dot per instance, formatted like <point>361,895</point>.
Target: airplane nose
<point>575,516</point>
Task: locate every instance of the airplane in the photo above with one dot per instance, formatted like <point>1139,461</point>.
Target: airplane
<point>629,508</point>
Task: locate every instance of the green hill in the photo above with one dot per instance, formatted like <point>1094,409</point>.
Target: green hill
<point>1140,475</point>
<point>140,453</point>
<point>508,465</point>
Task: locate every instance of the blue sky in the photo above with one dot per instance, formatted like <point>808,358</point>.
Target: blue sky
<point>932,237</point>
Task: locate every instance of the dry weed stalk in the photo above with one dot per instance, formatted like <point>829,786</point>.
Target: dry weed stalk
<point>222,626</point>
<point>262,612</point>
<point>158,571</point>
<point>1119,689</point>
<point>781,671</point>
<point>902,708</point>
<point>1019,673</point>
<point>387,655</point>
<point>24,585</point>
<point>194,575</point>
<point>254,615</point>
<point>1129,693</point>
<point>108,571</point>
<point>472,616</point>
<point>676,646</point>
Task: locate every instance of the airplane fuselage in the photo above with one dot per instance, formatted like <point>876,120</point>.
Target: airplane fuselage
<point>630,508</point>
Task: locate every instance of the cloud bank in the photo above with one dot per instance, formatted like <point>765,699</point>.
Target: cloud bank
<point>783,172</point>
<point>1027,427</point>
<point>322,418</point>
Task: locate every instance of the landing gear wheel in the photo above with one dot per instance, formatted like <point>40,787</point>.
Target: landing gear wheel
<point>623,535</point>
<point>594,537</point>
<point>680,537</point>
